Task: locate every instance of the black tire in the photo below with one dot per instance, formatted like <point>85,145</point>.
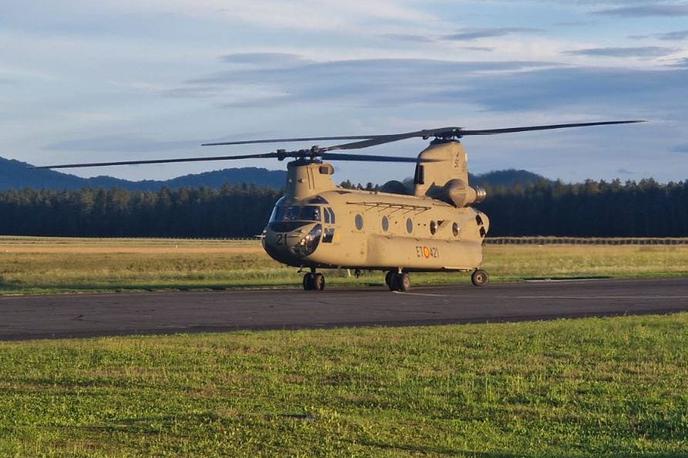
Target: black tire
<point>400,282</point>
<point>404,282</point>
<point>389,279</point>
<point>479,278</point>
<point>318,282</point>
<point>308,283</point>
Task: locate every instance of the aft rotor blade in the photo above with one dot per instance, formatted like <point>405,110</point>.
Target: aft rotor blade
<point>509,130</point>
<point>166,161</point>
<point>380,140</point>
<point>366,158</point>
<point>298,139</point>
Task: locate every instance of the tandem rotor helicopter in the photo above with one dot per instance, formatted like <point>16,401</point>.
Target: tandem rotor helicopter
<point>429,228</point>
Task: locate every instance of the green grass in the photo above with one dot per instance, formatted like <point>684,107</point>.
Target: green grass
<point>44,265</point>
<point>589,387</point>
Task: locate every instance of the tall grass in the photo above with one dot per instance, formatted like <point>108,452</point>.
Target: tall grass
<point>39,265</point>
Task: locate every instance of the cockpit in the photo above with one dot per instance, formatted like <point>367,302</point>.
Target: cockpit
<point>288,218</point>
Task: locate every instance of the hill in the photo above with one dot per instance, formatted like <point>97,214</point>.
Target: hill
<point>506,178</point>
<point>17,175</point>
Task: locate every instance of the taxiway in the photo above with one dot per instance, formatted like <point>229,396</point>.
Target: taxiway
<point>83,315</point>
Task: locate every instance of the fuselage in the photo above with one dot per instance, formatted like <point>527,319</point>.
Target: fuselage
<point>375,230</point>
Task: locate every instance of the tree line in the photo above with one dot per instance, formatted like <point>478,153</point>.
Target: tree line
<point>592,208</point>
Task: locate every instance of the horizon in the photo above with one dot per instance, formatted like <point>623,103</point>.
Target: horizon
<point>84,82</point>
<point>337,181</point>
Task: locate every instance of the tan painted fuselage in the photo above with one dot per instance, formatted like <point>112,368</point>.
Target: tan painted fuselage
<point>376,230</point>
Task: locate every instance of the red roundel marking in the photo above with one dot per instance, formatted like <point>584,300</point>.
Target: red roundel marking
<point>426,252</point>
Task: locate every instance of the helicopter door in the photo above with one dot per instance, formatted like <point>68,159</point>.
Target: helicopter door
<point>328,233</point>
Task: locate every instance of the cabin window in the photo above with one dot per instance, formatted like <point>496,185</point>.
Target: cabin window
<point>359,222</point>
<point>419,178</point>
<point>455,229</point>
<point>331,215</point>
<point>433,227</point>
<point>328,215</point>
<point>409,225</point>
<point>478,220</point>
<point>385,224</point>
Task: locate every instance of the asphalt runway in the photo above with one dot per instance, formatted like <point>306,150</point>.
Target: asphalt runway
<point>84,315</point>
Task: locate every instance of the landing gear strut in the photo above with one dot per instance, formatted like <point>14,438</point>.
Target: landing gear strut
<point>314,281</point>
<point>479,277</point>
<point>398,281</point>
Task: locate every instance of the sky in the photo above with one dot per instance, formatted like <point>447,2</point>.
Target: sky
<point>84,81</point>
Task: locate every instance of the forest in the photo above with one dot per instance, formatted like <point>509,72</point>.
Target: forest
<point>592,208</point>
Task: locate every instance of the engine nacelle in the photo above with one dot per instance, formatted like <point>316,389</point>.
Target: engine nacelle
<point>458,193</point>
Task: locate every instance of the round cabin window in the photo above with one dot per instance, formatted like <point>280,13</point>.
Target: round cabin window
<point>455,229</point>
<point>359,222</point>
<point>433,227</point>
<point>385,224</point>
<point>409,225</point>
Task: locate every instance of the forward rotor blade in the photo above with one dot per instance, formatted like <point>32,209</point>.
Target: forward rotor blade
<point>167,161</point>
<point>508,130</point>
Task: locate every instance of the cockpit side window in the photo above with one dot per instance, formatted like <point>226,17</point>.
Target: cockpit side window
<point>296,213</point>
<point>329,215</point>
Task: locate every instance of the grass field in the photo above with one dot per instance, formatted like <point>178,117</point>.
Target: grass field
<point>50,265</point>
<point>589,387</point>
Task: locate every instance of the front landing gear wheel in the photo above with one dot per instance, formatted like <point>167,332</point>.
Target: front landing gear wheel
<point>479,278</point>
<point>399,281</point>
<point>389,276</point>
<point>314,282</point>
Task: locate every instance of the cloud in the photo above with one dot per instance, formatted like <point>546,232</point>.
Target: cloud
<point>479,48</point>
<point>683,148</point>
<point>657,95</point>
<point>623,171</point>
<point>477,33</point>
<point>118,144</point>
<point>361,82</point>
<point>676,35</point>
<point>643,51</point>
<point>414,38</point>
<point>646,11</point>
<point>264,59</point>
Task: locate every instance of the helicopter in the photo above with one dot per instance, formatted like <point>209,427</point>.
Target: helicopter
<point>431,226</point>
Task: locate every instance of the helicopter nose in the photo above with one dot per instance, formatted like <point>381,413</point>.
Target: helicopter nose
<point>297,243</point>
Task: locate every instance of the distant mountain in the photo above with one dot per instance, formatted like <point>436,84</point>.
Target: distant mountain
<point>507,178</point>
<point>17,175</point>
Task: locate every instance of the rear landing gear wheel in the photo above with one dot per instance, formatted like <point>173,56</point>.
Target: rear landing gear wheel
<point>313,282</point>
<point>399,281</point>
<point>479,277</point>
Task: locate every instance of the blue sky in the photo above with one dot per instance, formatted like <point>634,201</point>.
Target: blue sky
<point>125,79</point>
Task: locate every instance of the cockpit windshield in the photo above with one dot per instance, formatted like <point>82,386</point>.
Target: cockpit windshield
<point>302,213</point>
